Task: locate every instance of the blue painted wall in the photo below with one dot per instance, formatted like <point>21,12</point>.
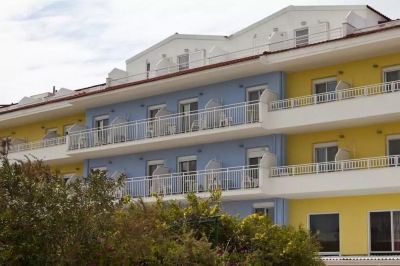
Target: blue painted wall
<point>233,91</point>
<point>245,207</point>
<point>230,153</point>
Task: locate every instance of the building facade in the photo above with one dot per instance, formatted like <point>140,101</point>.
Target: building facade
<point>295,117</point>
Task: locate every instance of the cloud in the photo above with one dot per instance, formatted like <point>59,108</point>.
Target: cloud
<point>75,43</point>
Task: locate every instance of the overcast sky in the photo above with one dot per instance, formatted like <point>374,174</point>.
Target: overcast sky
<point>75,43</point>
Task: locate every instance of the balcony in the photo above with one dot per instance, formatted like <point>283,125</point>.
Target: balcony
<point>345,177</point>
<point>345,107</point>
<point>50,150</point>
<point>174,130</point>
<point>233,181</point>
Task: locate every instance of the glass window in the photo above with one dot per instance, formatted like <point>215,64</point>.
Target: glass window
<point>301,37</point>
<point>101,121</point>
<point>326,229</point>
<point>325,86</point>
<point>183,61</point>
<point>394,146</point>
<point>385,231</point>
<point>152,166</point>
<point>254,93</point>
<point>325,153</point>
<point>267,211</point>
<point>392,75</point>
<point>189,119</point>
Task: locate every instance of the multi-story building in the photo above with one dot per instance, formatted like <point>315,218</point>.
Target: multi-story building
<point>295,117</point>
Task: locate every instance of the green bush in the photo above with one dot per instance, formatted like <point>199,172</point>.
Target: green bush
<point>46,221</point>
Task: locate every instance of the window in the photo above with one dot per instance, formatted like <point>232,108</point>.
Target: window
<point>187,164</point>
<point>67,129</point>
<point>254,157</point>
<point>322,87</point>
<point>392,74</point>
<point>393,145</point>
<point>326,229</point>
<point>301,37</point>
<point>183,61</point>
<point>325,152</point>
<point>51,131</point>
<point>147,69</point>
<point>153,110</point>
<point>189,121</point>
<point>254,93</point>
<point>101,121</point>
<point>384,231</point>
<point>265,208</point>
<point>152,166</point>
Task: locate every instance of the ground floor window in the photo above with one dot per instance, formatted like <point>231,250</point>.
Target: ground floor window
<point>384,231</point>
<point>326,229</point>
<point>265,208</point>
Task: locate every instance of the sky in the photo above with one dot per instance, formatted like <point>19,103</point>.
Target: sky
<point>75,43</point>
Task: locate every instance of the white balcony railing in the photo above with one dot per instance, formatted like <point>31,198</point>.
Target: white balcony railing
<point>200,58</point>
<point>336,166</point>
<point>181,123</point>
<point>339,95</point>
<point>40,144</point>
<point>234,178</point>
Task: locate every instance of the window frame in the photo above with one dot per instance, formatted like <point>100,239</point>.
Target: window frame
<point>389,69</point>
<point>255,88</point>
<point>265,205</point>
<point>66,127</point>
<point>187,158</point>
<point>391,137</point>
<point>321,81</point>
<point>180,68</point>
<point>295,36</point>
<point>153,162</point>
<point>99,118</point>
<point>154,107</point>
<point>254,152</point>
<point>323,145</point>
<point>330,253</point>
<point>370,252</point>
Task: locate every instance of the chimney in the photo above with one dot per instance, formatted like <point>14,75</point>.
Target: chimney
<point>54,89</point>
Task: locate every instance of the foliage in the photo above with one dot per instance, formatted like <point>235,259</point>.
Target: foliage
<point>47,221</point>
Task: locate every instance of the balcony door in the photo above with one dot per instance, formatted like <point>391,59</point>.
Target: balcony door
<point>254,156</point>
<point>187,166</point>
<point>325,153</point>
<point>253,95</point>
<point>152,129</point>
<point>392,74</point>
<point>324,89</point>
<point>189,117</point>
<point>154,186</point>
<point>99,123</point>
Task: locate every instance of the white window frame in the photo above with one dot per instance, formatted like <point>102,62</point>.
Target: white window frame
<point>308,36</point>
<point>179,64</point>
<point>154,107</point>
<point>255,152</point>
<point>190,100</point>
<point>392,231</point>
<point>100,168</point>
<point>323,145</point>
<point>340,234</point>
<point>323,80</point>
<point>184,159</point>
<point>255,88</point>
<point>391,137</point>
<point>153,162</point>
<point>264,205</point>
<point>389,69</point>
<point>51,129</point>
<point>99,118</point>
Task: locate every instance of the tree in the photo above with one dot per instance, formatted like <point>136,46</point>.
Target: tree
<point>45,220</point>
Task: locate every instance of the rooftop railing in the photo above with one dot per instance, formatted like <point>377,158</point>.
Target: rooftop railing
<point>226,179</point>
<point>180,123</point>
<point>336,166</point>
<point>338,95</point>
<point>40,144</point>
<point>200,58</point>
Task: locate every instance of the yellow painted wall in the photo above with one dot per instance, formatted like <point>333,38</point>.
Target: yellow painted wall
<point>76,168</point>
<point>353,216</point>
<point>356,73</point>
<point>37,131</point>
<point>362,142</point>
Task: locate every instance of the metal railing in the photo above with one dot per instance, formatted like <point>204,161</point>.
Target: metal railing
<point>200,58</point>
<point>336,166</point>
<point>40,144</point>
<point>233,178</point>
<point>181,123</point>
<point>339,95</point>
